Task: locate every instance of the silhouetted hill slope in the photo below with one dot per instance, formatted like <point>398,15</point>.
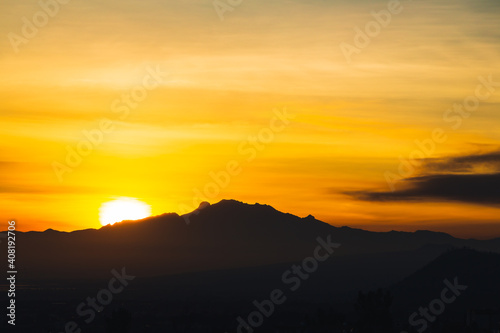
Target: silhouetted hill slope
<point>231,292</point>
<point>226,235</point>
<point>479,271</point>
<point>337,279</point>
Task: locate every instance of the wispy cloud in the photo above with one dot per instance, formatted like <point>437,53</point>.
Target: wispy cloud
<point>473,178</point>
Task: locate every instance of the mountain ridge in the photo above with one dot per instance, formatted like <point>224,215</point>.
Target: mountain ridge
<point>240,203</point>
<point>229,234</point>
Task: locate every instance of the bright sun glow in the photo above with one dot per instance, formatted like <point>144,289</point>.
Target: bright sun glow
<point>123,209</point>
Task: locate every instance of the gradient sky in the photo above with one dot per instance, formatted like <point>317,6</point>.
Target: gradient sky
<point>352,120</point>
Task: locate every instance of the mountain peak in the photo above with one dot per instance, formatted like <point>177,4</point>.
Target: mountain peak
<point>204,204</point>
<point>229,205</point>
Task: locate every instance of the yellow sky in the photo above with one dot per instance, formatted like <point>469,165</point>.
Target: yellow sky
<point>222,82</point>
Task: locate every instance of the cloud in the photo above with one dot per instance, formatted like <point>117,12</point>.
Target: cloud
<point>473,179</point>
<point>469,163</point>
<point>486,6</point>
<point>479,189</point>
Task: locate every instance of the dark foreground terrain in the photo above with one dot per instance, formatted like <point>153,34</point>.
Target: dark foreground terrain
<point>249,268</point>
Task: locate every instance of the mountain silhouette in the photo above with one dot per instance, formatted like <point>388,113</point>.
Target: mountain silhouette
<point>226,235</point>
<point>468,279</point>
<point>477,270</point>
<point>207,273</point>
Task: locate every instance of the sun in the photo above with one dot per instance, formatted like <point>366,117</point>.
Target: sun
<point>121,209</point>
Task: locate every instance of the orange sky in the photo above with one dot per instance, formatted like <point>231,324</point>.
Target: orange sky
<point>222,83</point>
